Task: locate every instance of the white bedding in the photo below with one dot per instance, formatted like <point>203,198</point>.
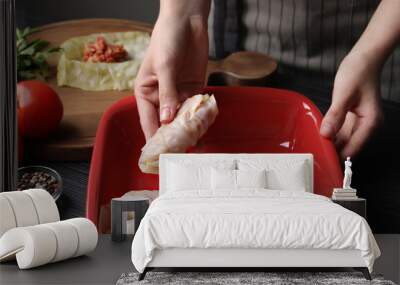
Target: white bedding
<point>250,218</point>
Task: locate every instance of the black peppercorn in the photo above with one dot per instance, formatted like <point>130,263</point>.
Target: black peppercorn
<point>38,179</point>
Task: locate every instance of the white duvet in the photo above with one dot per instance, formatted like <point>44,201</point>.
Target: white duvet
<point>250,219</point>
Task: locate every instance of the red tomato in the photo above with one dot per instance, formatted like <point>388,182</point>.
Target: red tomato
<point>40,110</point>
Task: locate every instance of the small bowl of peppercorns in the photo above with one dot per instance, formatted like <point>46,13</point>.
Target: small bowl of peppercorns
<point>40,177</point>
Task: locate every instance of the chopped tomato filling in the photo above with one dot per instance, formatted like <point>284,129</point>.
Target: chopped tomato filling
<point>101,51</point>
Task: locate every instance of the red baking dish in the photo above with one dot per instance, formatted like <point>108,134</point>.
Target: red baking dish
<point>250,120</point>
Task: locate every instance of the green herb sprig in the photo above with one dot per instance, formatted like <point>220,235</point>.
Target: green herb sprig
<point>32,56</point>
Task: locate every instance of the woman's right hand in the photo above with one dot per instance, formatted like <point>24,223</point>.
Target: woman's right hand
<point>175,63</point>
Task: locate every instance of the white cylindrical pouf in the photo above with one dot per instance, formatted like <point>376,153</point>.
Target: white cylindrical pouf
<point>45,205</point>
<point>67,239</point>
<point>7,218</point>
<point>40,244</point>
<point>23,208</point>
<point>33,246</point>
<point>87,234</point>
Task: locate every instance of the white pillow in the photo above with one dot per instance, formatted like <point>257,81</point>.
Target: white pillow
<point>236,179</point>
<point>251,178</point>
<point>181,177</point>
<point>288,175</point>
<point>290,179</point>
<point>188,175</point>
<point>223,179</point>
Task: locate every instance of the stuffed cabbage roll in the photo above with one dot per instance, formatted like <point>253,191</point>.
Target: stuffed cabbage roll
<point>191,122</point>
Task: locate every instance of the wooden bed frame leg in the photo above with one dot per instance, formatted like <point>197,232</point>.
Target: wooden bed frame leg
<point>143,274</point>
<point>364,271</point>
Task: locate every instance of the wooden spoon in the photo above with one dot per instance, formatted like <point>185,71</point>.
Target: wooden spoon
<point>241,69</point>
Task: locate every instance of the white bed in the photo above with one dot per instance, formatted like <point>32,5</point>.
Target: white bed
<point>193,224</point>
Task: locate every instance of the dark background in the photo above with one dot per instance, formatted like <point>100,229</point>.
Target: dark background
<point>376,169</point>
<point>40,12</point>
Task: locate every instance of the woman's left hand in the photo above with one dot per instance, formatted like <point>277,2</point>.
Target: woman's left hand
<point>355,111</point>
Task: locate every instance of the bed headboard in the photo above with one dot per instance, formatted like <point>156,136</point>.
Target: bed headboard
<point>212,157</point>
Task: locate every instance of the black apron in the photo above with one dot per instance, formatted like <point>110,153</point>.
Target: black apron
<point>310,38</point>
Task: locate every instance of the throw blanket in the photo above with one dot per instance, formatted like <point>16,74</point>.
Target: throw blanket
<point>250,218</point>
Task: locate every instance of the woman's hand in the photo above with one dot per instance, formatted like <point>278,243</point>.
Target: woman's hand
<point>355,111</point>
<point>175,63</point>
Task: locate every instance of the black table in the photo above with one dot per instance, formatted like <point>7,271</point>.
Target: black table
<point>358,206</point>
<point>102,266</point>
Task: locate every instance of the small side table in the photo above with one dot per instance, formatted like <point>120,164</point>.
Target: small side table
<point>358,206</point>
<point>123,211</point>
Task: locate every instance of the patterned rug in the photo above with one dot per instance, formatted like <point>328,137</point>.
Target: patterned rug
<point>243,278</point>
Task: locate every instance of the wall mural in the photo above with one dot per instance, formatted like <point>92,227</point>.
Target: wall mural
<point>59,112</point>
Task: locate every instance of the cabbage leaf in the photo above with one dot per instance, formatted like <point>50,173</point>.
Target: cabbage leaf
<point>73,71</point>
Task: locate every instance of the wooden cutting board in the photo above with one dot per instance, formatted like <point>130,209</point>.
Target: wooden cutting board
<point>74,139</point>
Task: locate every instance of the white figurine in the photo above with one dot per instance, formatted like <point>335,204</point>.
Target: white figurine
<point>347,174</point>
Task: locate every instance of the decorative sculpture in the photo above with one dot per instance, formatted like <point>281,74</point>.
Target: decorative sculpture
<point>347,174</point>
<point>346,192</point>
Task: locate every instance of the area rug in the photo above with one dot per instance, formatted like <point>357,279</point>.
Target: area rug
<point>244,278</point>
